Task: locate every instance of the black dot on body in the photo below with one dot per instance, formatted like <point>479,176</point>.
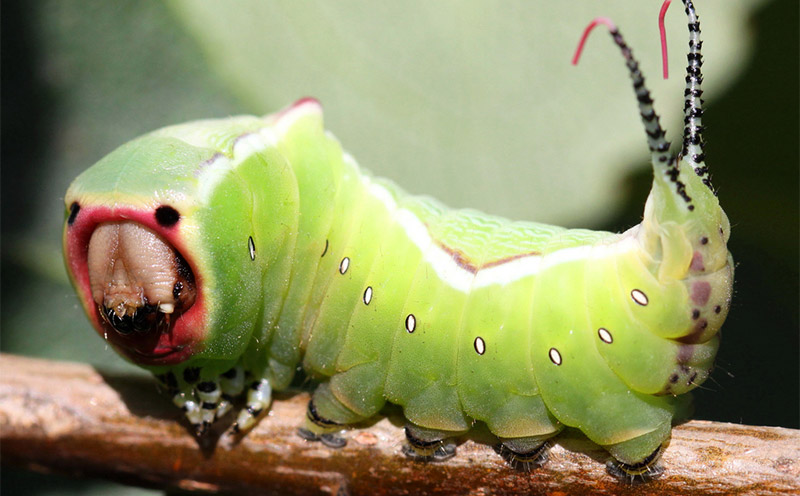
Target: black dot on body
<point>673,378</point>
<point>695,314</point>
<point>717,309</point>
<point>167,216</point>
<point>704,240</point>
<point>73,212</point>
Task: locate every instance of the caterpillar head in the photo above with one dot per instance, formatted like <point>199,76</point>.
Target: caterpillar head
<point>163,246</point>
<point>127,257</point>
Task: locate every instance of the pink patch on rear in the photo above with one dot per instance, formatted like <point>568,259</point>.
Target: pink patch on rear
<point>701,291</point>
<point>697,264</point>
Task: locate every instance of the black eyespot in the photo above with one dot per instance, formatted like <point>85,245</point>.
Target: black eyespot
<point>73,212</point>
<point>167,216</point>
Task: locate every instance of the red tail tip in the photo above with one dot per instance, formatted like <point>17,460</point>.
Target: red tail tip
<point>598,20</point>
<point>662,30</point>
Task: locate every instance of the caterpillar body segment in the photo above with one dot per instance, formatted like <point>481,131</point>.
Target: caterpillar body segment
<point>277,251</point>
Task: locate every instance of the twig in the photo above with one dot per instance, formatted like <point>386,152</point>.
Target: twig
<point>70,418</point>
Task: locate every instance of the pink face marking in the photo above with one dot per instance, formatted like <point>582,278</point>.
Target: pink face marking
<point>183,335</point>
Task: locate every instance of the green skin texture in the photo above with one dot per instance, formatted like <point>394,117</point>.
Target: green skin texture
<point>297,195</point>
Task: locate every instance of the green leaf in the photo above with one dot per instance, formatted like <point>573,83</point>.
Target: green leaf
<point>473,102</point>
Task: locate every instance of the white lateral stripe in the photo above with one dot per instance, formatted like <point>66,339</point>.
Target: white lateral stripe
<point>275,127</point>
<point>462,279</point>
<point>244,147</point>
<point>211,175</point>
<point>435,256</point>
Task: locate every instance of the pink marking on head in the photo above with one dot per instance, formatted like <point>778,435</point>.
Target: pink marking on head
<point>701,291</point>
<point>598,20</point>
<point>189,329</point>
<point>663,32</point>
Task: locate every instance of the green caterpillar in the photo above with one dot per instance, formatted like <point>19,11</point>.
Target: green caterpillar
<point>222,254</point>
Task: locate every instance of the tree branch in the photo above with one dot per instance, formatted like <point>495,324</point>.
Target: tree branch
<point>70,418</point>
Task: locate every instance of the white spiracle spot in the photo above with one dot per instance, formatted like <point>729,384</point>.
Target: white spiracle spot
<point>411,323</point>
<point>251,247</point>
<point>368,295</point>
<point>480,345</point>
<point>639,297</point>
<point>555,356</point>
<point>605,336</point>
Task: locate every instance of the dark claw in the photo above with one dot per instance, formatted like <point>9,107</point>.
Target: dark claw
<point>201,430</point>
<point>307,434</point>
<point>441,453</point>
<point>644,471</point>
<point>330,440</point>
<point>333,441</point>
<point>523,462</point>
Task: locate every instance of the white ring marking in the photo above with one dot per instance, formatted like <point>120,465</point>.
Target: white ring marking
<point>344,265</point>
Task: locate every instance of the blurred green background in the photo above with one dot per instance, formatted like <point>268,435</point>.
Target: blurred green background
<point>474,103</point>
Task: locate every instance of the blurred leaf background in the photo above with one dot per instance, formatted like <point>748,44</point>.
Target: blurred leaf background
<point>473,102</point>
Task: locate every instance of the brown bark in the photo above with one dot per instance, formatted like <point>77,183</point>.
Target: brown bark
<point>70,418</point>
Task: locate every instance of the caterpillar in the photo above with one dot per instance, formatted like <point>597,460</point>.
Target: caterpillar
<point>221,255</point>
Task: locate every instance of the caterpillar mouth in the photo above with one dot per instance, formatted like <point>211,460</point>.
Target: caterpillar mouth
<point>140,286</point>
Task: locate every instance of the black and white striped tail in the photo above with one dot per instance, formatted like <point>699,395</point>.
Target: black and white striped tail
<point>693,144</point>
